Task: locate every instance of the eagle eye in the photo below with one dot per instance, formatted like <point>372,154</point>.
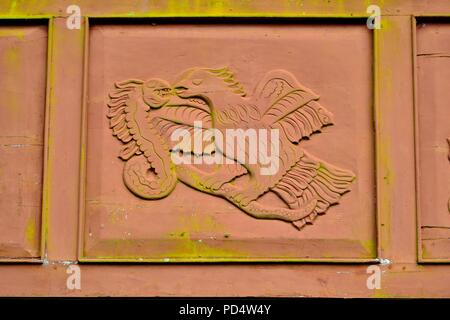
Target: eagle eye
<point>180,89</point>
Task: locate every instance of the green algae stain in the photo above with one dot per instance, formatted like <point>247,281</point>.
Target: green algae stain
<point>189,248</point>
<point>369,246</point>
<point>19,34</point>
<point>12,57</point>
<point>200,236</point>
<point>118,215</point>
<point>198,223</point>
<point>379,294</point>
<point>12,8</point>
<point>10,60</point>
<point>30,232</point>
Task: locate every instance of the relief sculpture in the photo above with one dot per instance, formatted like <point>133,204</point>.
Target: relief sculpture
<point>145,115</point>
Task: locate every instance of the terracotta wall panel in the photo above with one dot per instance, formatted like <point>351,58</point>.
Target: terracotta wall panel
<point>23,51</point>
<point>189,224</point>
<point>433,115</point>
<point>363,78</point>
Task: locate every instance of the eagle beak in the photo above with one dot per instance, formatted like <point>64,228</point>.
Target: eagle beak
<point>180,91</point>
<point>177,99</point>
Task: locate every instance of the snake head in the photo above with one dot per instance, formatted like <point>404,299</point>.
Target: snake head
<point>156,92</point>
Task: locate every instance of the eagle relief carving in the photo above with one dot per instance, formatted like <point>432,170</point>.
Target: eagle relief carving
<point>208,104</point>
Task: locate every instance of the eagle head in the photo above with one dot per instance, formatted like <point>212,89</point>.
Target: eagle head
<point>204,82</point>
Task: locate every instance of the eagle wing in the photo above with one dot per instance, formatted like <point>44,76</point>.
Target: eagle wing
<point>309,182</point>
<point>291,107</point>
<point>199,142</point>
<point>193,121</point>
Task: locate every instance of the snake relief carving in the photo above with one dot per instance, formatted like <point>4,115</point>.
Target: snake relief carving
<point>144,115</point>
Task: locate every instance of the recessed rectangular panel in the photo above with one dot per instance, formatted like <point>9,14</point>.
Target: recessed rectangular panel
<point>23,52</point>
<point>433,115</point>
<point>309,194</point>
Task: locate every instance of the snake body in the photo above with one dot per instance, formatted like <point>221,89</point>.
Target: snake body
<point>148,171</point>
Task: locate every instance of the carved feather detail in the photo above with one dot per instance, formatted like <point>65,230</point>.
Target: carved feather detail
<point>117,114</point>
<point>311,179</point>
<point>291,107</point>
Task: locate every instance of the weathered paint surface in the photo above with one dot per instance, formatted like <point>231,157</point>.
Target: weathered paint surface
<point>376,219</point>
<point>23,51</point>
<point>433,117</point>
